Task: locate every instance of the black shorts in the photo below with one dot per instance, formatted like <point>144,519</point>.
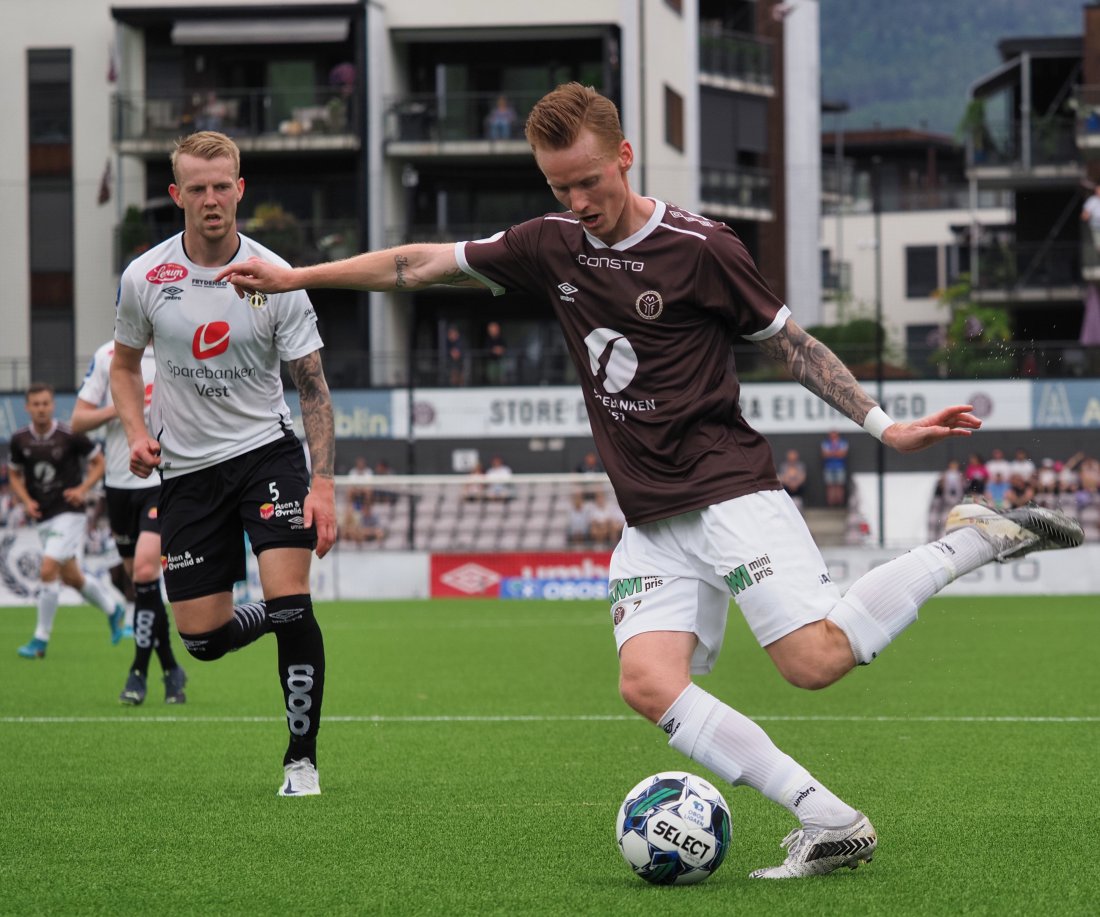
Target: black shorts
<point>130,513</point>
<point>205,514</point>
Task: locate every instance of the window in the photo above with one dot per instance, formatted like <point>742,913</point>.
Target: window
<point>674,119</point>
<point>921,270</point>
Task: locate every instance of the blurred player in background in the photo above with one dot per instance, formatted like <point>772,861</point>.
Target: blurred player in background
<point>651,299</point>
<point>132,512</point>
<point>220,435</point>
<point>48,477</point>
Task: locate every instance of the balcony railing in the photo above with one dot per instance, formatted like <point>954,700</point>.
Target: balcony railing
<point>458,117</point>
<point>1010,265</point>
<point>321,111</point>
<point>746,188</point>
<point>1046,141</point>
<point>735,55</point>
<point>906,200</point>
<point>300,242</point>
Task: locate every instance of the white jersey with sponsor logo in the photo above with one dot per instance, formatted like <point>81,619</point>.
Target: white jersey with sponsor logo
<point>218,393</point>
<point>96,389</point>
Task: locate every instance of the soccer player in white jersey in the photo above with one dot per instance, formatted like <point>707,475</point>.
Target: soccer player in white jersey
<point>132,512</point>
<point>650,299</point>
<point>52,469</point>
<point>220,435</point>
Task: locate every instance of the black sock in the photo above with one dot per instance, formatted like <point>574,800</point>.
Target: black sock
<point>249,623</point>
<point>149,607</point>
<point>301,671</point>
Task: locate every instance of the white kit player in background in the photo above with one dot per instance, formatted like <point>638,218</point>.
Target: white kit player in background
<point>47,474</point>
<point>135,526</point>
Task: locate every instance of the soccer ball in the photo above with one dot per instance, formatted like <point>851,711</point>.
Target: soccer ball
<point>673,829</point>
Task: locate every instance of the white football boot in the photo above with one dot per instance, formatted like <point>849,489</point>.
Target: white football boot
<point>301,779</point>
<point>817,851</point>
<point>1016,532</point>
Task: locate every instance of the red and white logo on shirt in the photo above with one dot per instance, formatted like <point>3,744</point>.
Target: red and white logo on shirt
<point>166,273</point>
<point>210,340</point>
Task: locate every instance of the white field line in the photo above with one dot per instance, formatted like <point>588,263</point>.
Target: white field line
<point>532,718</point>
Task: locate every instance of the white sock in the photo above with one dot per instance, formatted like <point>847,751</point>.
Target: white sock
<point>882,603</point>
<point>740,752</point>
<point>96,593</point>
<point>48,595</point>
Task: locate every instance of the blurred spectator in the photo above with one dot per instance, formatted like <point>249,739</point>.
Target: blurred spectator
<point>976,474</point>
<point>212,114</point>
<point>998,464</point>
<point>952,484</point>
<point>501,120</point>
<point>359,525</point>
<point>372,525</point>
<point>474,489</point>
<point>1046,477</point>
<point>1088,478</point>
<point>498,475</point>
<point>792,474</point>
<point>381,469</point>
<point>996,490</point>
<point>605,521</point>
<point>578,528</point>
<point>1021,465</point>
<point>1020,491</point>
<point>359,476</point>
<point>590,464</point>
<point>455,357</point>
<point>834,467</point>
<point>495,354</point>
<point>1067,477</point>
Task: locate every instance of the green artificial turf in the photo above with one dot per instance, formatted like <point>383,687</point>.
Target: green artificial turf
<point>474,755</point>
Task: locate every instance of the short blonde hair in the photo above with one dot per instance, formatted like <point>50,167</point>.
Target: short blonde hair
<point>559,116</point>
<point>207,145</point>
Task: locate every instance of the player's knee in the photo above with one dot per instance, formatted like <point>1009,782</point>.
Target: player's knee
<point>208,646</point>
<point>807,676</point>
<point>644,696</point>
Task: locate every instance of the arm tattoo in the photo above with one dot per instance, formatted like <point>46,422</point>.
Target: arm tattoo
<point>309,379</point>
<point>817,368</point>
<point>400,263</point>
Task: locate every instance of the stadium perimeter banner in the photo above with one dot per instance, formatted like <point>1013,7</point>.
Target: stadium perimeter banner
<point>564,575</point>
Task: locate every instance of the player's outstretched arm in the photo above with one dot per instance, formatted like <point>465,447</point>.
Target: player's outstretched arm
<point>818,369</point>
<point>407,268</point>
<point>313,393</point>
<point>128,393</point>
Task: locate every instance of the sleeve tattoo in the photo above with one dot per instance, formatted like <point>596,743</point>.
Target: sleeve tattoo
<point>309,379</point>
<point>817,368</point>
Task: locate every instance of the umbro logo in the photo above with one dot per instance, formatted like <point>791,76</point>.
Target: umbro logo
<point>173,293</point>
<point>567,290</point>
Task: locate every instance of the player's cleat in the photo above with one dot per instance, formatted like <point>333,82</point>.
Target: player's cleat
<point>301,779</point>
<point>127,632</point>
<point>117,621</point>
<point>174,681</point>
<point>817,851</point>
<point>1016,532</point>
<point>134,692</point>
<point>33,649</point>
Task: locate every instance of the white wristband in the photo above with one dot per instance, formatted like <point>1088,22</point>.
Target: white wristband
<point>876,422</point>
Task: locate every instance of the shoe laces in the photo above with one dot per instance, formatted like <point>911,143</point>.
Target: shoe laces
<point>795,842</point>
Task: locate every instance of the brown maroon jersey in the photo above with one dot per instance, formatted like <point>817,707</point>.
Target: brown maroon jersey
<point>650,323</point>
<point>51,464</point>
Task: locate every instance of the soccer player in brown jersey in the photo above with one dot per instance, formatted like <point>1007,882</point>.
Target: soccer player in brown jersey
<point>48,475</point>
<point>650,299</point>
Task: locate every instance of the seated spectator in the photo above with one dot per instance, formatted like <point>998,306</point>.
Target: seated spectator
<point>996,490</point>
<point>350,525</point>
<point>605,521</point>
<point>1021,465</point>
<point>381,469</point>
<point>1067,478</point>
<point>371,524</point>
<point>474,490</point>
<point>1020,491</point>
<point>590,464</point>
<point>792,474</point>
<point>998,464</point>
<point>1046,477</point>
<point>578,528</point>
<point>498,475</point>
<point>501,120</point>
<point>976,474</point>
<point>951,485</point>
<point>358,475</point>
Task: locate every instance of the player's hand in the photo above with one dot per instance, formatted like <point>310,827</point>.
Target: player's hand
<point>920,434</point>
<point>320,511</point>
<point>256,275</point>
<point>33,509</point>
<point>74,496</point>
<point>144,457</point>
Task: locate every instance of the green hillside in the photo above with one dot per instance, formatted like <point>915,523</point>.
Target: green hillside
<point>911,65</point>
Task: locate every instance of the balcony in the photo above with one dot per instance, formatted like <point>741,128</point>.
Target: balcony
<point>318,118</point>
<point>1012,271</point>
<point>742,193</point>
<point>458,124</point>
<point>1087,104</point>
<point>906,200</point>
<point>1032,152</point>
<point>735,61</point>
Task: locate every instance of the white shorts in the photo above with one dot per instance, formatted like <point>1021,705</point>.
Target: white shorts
<point>62,536</point>
<point>678,574</point>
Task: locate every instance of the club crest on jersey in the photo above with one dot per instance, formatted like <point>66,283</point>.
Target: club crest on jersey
<point>649,305</point>
<point>210,340</point>
<point>257,300</point>
<point>166,273</point>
